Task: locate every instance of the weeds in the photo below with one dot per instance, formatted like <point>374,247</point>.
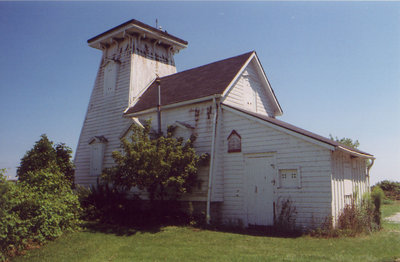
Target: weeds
<point>286,220</point>
<point>355,219</point>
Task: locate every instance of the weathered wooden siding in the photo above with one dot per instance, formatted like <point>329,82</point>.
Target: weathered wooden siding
<point>249,83</point>
<point>356,179</point>
<point>104,116</point>
<point>147,62</point>
<point>312,200</point>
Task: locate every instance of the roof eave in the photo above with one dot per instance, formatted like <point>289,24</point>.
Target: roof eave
<point>170,106</point>
<point>354,153</point>
<point>134,26</point>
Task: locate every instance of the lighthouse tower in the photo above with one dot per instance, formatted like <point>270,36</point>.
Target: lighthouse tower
<point>133,55</point>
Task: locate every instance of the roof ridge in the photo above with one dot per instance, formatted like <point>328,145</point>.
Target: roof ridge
<point>218,61</point>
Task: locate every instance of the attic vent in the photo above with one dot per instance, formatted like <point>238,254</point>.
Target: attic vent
<point>234,142</point>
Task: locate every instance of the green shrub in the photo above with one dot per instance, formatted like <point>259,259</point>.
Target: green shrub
<point>107,204</point>
<point>40,208</point>
<point>377,196</point>
<point>110,205</point>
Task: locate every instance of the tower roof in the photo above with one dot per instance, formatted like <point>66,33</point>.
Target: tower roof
<point>136,28</point>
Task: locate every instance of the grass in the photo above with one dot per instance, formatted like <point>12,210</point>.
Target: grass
<point>173,243</point>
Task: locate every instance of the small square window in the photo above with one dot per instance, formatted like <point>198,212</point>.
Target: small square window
<point>289,178</point>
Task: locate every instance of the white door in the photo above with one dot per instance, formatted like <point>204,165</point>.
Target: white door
<point>259,198</point>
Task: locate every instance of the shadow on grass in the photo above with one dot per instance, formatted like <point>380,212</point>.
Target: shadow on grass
<point>153,228</point>
<point>260,231</point>
<point>120,230</point>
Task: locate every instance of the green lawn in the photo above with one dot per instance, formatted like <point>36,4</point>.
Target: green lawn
<point>190,244</point>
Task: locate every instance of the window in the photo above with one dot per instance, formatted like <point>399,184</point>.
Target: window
<point>234,142</point>
<point>97,147</point>
<point>289,178</point>
<point>110,77</point>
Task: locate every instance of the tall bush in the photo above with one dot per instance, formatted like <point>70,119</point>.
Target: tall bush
<point>39,208</point>
<point>164,166</point>
<point>377,196</point>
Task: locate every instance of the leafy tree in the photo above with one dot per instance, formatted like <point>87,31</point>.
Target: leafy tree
<point>44,155</point>
<point>64,162</point>
<point>346,141</point>
<point>164,166</point>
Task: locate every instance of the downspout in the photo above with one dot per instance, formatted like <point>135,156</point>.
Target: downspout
<point>212,156</point>
<point>368,168</point>
<point>158,81</point>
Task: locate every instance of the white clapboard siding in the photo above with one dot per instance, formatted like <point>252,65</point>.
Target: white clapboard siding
<point>357,177</point>
<point>104,116</point>
<point>249,86</point>
<point>312,200</point>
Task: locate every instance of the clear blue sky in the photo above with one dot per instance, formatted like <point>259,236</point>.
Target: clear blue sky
<point>334,66</point>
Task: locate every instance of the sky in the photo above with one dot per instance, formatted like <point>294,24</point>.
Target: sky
<point>334,66</point>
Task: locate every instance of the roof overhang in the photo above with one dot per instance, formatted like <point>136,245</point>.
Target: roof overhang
<point>355,154</point>
<point>170,106</point>
<point>134,28</point>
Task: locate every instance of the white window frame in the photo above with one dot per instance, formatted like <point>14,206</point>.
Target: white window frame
<point>234,135</point>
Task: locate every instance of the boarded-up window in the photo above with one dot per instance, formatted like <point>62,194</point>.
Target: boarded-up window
<point>97,147</point>
<point>234,142</point>
<point>289,178</point>
<point>110,77</point>
<point>348,187</point>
